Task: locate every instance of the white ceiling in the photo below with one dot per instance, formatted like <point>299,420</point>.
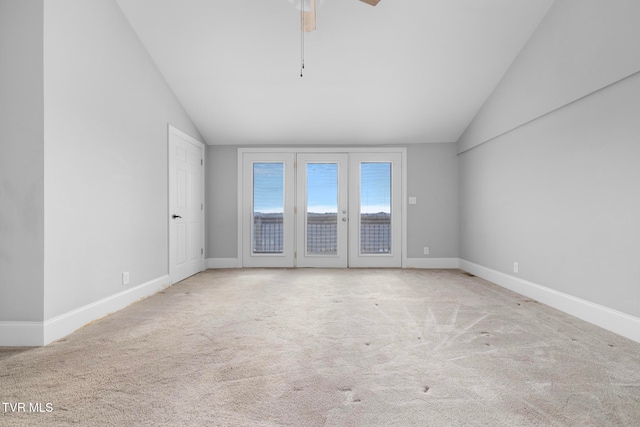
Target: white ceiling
<point>405,71</point>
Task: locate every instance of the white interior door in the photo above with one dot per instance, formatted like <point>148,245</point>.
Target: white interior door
<point>186,208</point>
<point>322,210</point>
<point>268,209</point>
<point>375,207</point>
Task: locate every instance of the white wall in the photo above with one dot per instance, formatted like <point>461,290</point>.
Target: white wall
<point>21,161</point>
<point>432,177</point>
<point>555,188</point>
<point>106,112</point>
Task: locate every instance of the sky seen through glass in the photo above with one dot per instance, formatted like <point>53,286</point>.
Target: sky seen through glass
<point>322,182</point>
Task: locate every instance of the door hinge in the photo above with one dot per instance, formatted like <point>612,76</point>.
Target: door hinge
<point>295,255</point>
<point>201,162</point>
<point>295,209</point>
<point>201,206</point>
<point>201,251</point>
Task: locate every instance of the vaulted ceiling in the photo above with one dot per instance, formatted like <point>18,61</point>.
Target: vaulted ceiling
<point>405,71</point>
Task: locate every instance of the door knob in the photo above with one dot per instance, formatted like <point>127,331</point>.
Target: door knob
<point>174,216</point>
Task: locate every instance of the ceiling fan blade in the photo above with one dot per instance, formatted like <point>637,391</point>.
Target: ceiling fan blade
<point>309,18</point>
<point>371,2</point>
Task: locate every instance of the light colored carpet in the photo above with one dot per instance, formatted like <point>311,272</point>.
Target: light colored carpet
<point>308,347</point>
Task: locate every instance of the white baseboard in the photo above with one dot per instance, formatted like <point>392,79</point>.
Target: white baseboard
<point>223,263</point>
<point>65,324</point>
<point>410,263</point>
<point>35,334</point>
<point>21,334</point>
<point>612,320</point>
<point>432,263</point>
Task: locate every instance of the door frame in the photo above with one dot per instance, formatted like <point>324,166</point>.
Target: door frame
<point>172,131</point>
<point>326,149</point>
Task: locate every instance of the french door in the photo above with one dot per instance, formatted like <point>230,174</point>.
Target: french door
<point>375,188</point>
<point>322,209</point>
<point>268,210</point>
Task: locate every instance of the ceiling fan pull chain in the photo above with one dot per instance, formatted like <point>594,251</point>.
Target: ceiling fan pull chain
<point>301,37</point>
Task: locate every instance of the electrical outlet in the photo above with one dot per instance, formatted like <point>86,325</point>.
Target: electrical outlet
<point>125,278</point>
<point>515,267</point>
<point>426,250</point>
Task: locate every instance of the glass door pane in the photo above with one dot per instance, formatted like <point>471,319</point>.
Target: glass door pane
<point>268,208</point>
<point>322,209</point>
<point>375,208</point>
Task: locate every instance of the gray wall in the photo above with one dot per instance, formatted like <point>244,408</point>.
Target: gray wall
<point>578,48</point>
<point>222,202</point>
<point>559,193</point>
<point>432,176</point>
<point>106,113</point>
<point>560,197</point>
<point>21,161</point>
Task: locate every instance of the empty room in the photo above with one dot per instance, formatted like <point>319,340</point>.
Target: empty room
<point>320,212</point>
